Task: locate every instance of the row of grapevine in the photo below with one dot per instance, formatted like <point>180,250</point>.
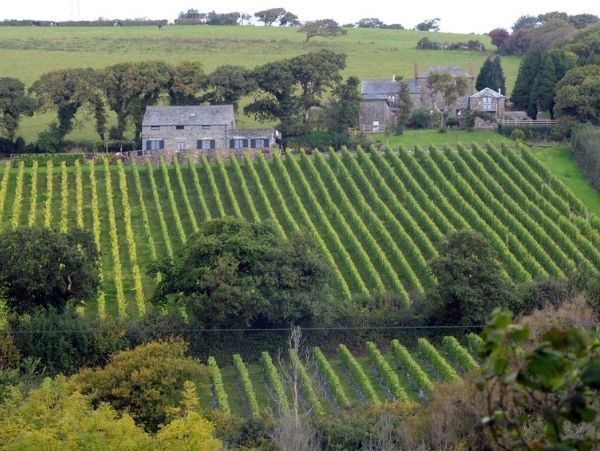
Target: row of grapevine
<point>437,360</point>
<point>402,228</point>
<point>306,220</point>
<point>173,203</point>
<point>130,239</point>
<point>247,386</point>
<point>199,191</point>
<point>78,193</point>
<point>184,194</point>
<point>275,382</point>
<point>397,248</point>
<point>332,379</point>
<point>218,387</point>
<point>96,227</point>
<point>159,210</point>
<point>18,199</point>
<point>307,384</point>
<point>308,200</point>
<point>64,197</point>
<point>114,242</point>
<point>412,368</point>
<point>145,219</point>
<point>386,372</point>
<point>31,216</point>
<point>228,189</point>
<point>459,353</point>
<point>4,189</point>
<point>490,231</point>
<point>213,186</point>
<point>244,189</point>
<point>536,260</point>
<point>355,220</point>
<point>353,244</point>
<point>49,192</point>
<point>558,257</point>
<point>359,375</point>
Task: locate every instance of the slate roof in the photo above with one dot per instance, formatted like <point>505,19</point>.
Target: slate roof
<point>414,87</point>
<point>189,115</point>
<point>379,89</point>
<point>488,92</point>
<point>455,71</point>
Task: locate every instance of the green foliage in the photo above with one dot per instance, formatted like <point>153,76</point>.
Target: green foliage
<point>342,111</point>
<point>228,84</point>
<point>239,274</point>
<point>217,383</point>
<point>274,378</point>
<point>359,375</point>
<point>247,386</point>
<point>42,267</point>
<point>437,360</point>
<point>429,25</point>
<point>470,281</point>
<point>42,159</point>
<point>553,382</point>
<point>14,103</point>
<point>409,365</point>
<point>491,76</point>
<point>460,354</point>
<point>331,377</point>
<point>326,28</point>
<point>146,382</point>
<point>306,383</point>
<point>448,87</point>
<point>387,373</point>
<point>577,94</point>
<point>586,151</point>
<point>530,67</point>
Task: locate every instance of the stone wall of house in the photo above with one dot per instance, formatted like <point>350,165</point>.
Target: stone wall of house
<point>376,111</point>
<point>189,135</point>
<point>141,157</point>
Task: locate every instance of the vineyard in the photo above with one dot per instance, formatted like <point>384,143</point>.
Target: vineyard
<point>342,381</point>
<point>378,217</point>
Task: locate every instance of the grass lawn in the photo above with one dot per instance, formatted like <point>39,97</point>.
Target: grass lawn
<point>558,159</point>
<point>422,138</point>
<point>28,52</point>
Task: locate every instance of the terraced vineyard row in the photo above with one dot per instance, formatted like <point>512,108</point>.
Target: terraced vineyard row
<point>377,217</point>
<point>340,381</point>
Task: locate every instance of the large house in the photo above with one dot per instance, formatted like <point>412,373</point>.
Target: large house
<point>378,112</point>
<point>200,127</point>
<point>488,101</point>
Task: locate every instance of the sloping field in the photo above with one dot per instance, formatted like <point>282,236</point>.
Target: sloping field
<point>400,372</point>
<point>378,217</point>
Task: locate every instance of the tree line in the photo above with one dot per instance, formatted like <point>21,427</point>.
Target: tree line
<point>285,91</point>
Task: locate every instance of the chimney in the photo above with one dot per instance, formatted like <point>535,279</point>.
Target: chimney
<point>393,77</point>
<point>416,70</point>
<point>471,68</point>
<point>500,91</point>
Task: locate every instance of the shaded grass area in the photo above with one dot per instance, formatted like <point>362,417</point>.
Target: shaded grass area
<point>424,138</point>
<point>559,161</point>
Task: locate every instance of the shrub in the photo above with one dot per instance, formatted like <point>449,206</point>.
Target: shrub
<point>43,158</point>
<point>517,135</point>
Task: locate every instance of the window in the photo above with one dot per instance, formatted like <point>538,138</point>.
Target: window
<point>180,145</point>
<point>205,127</point>
<point>205,144</point>
<point>392,99</point>
<point>487,104</point>
<point>375,126</point>
<point>179,127</point>
<point>155,144</point>
<point>259,143</point>
<point>238,143</point>
<point>155,127</point>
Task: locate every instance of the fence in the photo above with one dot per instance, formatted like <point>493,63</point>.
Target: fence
<point>529,122</point>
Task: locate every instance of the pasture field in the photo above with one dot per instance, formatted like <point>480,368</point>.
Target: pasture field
<point>26,53</point>
<point>378,217</point>
<point>398,371</point>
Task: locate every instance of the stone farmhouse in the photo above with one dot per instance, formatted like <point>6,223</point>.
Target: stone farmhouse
<point>378,111</point>
<point>181,128</point>
<point>488,101</point>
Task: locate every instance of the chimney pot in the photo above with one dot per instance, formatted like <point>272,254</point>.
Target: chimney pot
<point>416,66</point>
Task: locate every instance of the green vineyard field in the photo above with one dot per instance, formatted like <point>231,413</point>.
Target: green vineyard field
<point>338,381</point>
<point>377,216</point>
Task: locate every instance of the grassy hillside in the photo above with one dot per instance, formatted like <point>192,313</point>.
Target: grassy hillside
<point>378,217</point>
<point>26,53</point>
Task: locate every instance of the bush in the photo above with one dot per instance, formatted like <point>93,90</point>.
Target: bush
<point>115,145</point>
<point>557,132</point>
<point>585,147</point>
<point>43,158</point>
<point>423,118</point>
<point>517,135</point>
<point>64,341</point>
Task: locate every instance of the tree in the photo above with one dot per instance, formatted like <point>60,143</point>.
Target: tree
<point>146,382</point>
<point>342,111</point>
<point>578,94</point>
<point>44,267</point>
<point>580,21</point>
<point>229,84</point>
<point>491,76</point>
<point>556,64</point>
<point>289,20</point>
<point>553,16</point>
<point>326,28</point>
<point>214,18</point>
<point>525,22</point>
<point>14,103</point>
<point>270,16</point>
<point>470,281</point>
<point>370,22</point>
<point>528,70</point>
<point>542,394</point>
<point>238,274</point>
<point>499,37</point>
<point>67,90</point>
<point>429,25</point>
<point>404,104</point>
<point>130,88</point>
<point>186,83</point>
<point>442,84</point>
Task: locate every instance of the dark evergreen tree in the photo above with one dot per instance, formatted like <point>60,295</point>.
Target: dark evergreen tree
<point>542,91</point>
<point>528,70</point>
<point>491,76</point>
<point>499,80</point>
